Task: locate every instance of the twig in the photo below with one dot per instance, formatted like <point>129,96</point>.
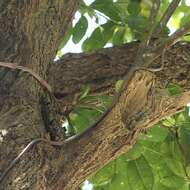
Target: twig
<point>166,16</point>
<point>27,70</point>
<point>12,164</point>
<point>178,34</point>
<point>154,11</point>
<point>170,41</point>
<point>152,20</point>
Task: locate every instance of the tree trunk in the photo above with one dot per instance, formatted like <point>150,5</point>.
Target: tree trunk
<point>30,34</point>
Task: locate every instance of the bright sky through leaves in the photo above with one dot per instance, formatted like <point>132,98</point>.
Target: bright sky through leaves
<point>76,48</point>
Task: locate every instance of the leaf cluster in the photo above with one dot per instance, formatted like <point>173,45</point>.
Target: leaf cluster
<point>125,21</point>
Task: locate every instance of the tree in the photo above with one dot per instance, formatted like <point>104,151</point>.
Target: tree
<point>31,110</point>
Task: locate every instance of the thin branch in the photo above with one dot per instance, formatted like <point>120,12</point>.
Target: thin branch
<point>166,16</point>
<point>154,12</point>
<point>152,18</point>
<point>30,72</point>
<point>157,51</point>
<point>174,37</point>
<point>178,34</point>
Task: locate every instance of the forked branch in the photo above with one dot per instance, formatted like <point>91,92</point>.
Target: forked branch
<point>170,41</point>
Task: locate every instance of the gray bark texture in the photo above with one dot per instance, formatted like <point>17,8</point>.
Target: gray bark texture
<point>31,32</point>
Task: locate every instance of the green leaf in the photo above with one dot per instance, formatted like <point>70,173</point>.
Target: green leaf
<point>101,187</point>
<point>119,182</point>
<point>175,166</point>
<point>169,122</point>
<point>134,152</point>
<point>140,174</point>
<point>103,176</point>
<point>164,34</point>
<point>96,41</point>
<point>66,37</point>
<point>137,24</point>
<point>171,149</point>
<point>173,89</point>
<point>118,85</point>
<point>183,118</point>
<point>78,122</point>
<point>108,30</point>
<point>185,18</point>
<point>184,139</point>
<point>157,134</point>
<point>121,165</point>
<point>80,29</point>
<point>84,93</point>
<point>83,8</point>
<point>122,6</point>
<point>97,102</point>
<point>119,35</point>
<point>152,152</point>
<point>185,187</point>
<point>108,7</point>
<point>188,170</point>
<point>82,118</point>
<point>159,186</point>
<point>170,180</point>
<point>134,8</point>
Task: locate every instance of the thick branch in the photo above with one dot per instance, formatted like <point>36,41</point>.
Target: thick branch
<point>100,70</point>
<point>30,33</point>
<point>137,109</point>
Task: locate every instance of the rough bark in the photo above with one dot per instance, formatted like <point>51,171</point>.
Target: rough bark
<point>101,69</point>
<point>141,106</point>
<point>30,34</point>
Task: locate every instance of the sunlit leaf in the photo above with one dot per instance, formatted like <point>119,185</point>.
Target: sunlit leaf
<point>84,93</point>
<point>169,122</point>
<point>135,152</point>
<point>168,179</point>
<point>119,35</point>
<point>82,118</point>
<point>118,85</point>
<point>175,166</point>
<point>157,134</point>
<point>119,182</point>
<point>104,176</point>
<point>140,174</point>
